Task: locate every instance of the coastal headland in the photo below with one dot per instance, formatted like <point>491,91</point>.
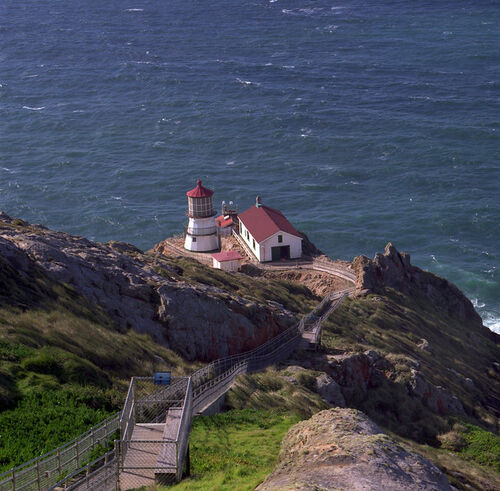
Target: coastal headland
<point>405,367</point>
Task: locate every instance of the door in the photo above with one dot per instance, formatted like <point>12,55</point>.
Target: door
<point>275,253</point>
<point>285,252</point>
<point>280,252</point>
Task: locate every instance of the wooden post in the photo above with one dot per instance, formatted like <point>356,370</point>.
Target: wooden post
<point>77,455</point>
<point>13,480</point>
<point>59,460</point>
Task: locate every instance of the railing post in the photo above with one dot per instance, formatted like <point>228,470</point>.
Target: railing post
<point>38,475</point>
<point>59,460</point>
<point>117,460</point>
<point>77,455</point>
<point>13,480</point>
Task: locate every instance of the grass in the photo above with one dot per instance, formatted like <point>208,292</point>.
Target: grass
<point>236,449</point>
<point>269,390</point>
<point>481,446</point>
<point>64,364</point>
<point>464,472</point>
<point>45,419</point>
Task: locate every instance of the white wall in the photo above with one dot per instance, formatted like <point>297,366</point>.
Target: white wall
<point>250,241</point>
<point>263,251</point>
<point>294,242</point>
<point>227,265</point>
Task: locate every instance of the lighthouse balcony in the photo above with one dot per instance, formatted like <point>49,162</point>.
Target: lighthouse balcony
<point>201,230</point>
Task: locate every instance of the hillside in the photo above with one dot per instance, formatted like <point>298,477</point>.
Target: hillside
<point>79,318</point>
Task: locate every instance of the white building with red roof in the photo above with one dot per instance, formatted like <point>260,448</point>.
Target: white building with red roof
<point>268,234</point>
<point>227,260</point>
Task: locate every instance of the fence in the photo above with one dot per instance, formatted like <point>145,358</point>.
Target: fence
<point>46,471</point>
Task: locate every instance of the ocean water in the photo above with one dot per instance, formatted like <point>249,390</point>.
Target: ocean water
<point>363,121</point>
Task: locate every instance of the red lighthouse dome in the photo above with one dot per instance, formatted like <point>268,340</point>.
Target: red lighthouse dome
<point>199,191</point>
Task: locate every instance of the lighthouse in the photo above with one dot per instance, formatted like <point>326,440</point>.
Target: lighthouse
<point>201,233</point>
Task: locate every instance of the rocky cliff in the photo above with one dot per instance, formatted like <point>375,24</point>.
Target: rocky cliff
<point>343,449</point>
<point>144,292</point>
<point>393,269</point>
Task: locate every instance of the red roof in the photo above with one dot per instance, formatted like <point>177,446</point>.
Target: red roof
<point>262,222</point>
<point>227,256</point>
<point>224,222</point>
<point>199,191</point>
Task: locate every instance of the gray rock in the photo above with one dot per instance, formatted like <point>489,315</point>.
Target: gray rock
<point>437,398</point>
<point>329,390</point>
<point>344,449</point>
<point>194,320</point>
<point>424,345</point>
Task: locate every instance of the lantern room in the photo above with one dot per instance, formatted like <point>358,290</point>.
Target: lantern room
<point>200,201</point>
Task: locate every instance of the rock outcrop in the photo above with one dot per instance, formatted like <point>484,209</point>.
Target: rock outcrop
<point>344,449</point>
<point>195,320</point>
<point>394,270</point>
<point>436,398</point>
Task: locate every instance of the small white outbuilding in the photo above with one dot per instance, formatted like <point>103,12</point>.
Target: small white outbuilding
<point>227,260</point>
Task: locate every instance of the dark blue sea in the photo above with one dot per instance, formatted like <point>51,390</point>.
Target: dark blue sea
<point>363,121</point>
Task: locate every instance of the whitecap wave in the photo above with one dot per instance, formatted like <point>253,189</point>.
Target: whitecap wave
<point>477,304</point>
<point>304,11</point>
<point>491,321</point>
<point>134,10</point>
<point>247,82</point>
<point>34,108</point>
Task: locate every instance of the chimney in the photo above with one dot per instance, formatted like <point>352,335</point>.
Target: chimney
<point>258,201</point>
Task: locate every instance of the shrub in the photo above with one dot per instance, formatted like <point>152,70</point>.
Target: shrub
<point>452,440</point>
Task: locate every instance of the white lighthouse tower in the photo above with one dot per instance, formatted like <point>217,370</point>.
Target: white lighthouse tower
<point>201,233</point>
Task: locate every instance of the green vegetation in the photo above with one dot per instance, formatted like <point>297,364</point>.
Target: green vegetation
<point>45,419</point>
<point>463,472</point>
<point>474,444</point>
<point>236,449</point>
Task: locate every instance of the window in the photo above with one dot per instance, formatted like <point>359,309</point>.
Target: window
<point>194,239</point>
<point>253,241</point>
<point>248,236</point>
<point>280,238</point>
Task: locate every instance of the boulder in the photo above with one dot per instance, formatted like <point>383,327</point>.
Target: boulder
<point>329,390</point>
<point>343,449</point>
